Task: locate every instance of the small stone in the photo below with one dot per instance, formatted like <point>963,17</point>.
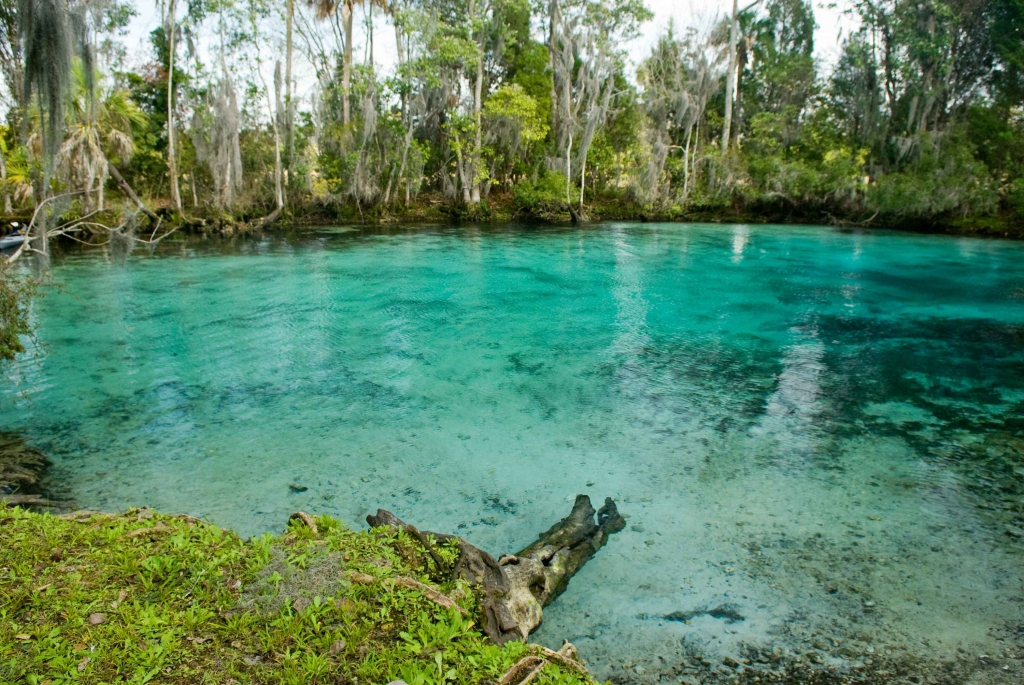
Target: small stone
<point>236,644</point>
<point>300,604</point>
<point>83,663</point>
<point>337,646</point>
<point>96,619</point>
<point>251,660</point>
<point>730,662</point>
<point>649,543</point>
<point>294,487</point>
<point>590,483</point>
<point>1014,532</point>
<point>868,604</point>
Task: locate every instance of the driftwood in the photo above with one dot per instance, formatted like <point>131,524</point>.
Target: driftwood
<point>527,668</point>
<point>406,582</point>
<point>306,519</point>
<point>517,587</point>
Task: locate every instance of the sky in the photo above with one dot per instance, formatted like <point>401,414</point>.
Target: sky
<point>827,38</point>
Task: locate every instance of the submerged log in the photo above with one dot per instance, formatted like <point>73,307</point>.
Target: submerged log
<point>517,587</point>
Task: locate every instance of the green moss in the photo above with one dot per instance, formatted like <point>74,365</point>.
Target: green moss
<point>143,597</point>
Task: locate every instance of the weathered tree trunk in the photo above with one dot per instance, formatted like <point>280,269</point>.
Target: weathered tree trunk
<point>277,117</point>
<point>477,118</point>
<point>8,209</point>
<point>346,65</point>
<point>172,158</point>
<point>730,79</point>
<point>517,587</point>
<point>289,95</point>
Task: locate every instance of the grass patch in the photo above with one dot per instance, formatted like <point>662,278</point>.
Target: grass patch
<point>147,598</point>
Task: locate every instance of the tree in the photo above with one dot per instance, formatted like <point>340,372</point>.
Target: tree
<point>100,129</point>
<point>171,31</point>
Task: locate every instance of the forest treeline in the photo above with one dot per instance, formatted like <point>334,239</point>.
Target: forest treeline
<point>249,108</point>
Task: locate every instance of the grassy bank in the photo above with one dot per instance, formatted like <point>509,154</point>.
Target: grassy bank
<point>143,597</point>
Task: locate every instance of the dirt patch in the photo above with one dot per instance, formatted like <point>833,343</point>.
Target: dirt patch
<point>294,582</point>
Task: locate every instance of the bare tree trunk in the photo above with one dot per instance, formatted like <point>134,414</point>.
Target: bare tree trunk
<point>686,162</point>
<point>553,17</point>
<point>464,179</point>
<point>278,192</point>
<point>369,33</point>
<point>477,109</point>
<point>346,66</point>
<point>730,79</point>
<point>289,122</point>
<point>8,209</point>
<point>172,162</point>
<point>405,158</point>
<point>275,117</point>
<point>568,170</point>
<point>478,141</point>
<point>583,179</point>
<point>99,191</point>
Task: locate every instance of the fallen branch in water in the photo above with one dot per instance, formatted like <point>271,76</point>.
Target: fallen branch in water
<point>516,588</point>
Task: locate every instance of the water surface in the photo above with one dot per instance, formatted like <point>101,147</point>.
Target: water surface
<point>819,431</point>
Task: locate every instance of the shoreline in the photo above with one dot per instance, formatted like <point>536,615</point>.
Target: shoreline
<point>804,659</point>
<point>501,210</point>
<point>796,657</point>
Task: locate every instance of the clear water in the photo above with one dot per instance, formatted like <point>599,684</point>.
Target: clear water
<point>820,430</point>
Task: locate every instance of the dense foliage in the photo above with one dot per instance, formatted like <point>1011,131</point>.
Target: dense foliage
<point>246,107</point>
<point>15,293</point>
<point>143,597</point>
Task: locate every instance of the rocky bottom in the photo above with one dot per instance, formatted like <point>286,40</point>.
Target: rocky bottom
<point>828,661</point>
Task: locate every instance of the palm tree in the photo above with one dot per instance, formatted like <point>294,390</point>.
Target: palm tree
<point>99,129</point>
<point>324,9</point>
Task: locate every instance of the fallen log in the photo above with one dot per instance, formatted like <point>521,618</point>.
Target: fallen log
<point>132,195</point>
<point>517,587</point>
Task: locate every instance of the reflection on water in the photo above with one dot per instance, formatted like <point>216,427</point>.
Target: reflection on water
<point>816,437</point>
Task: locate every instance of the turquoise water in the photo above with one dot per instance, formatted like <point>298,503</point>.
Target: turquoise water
<point>821,430</point>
